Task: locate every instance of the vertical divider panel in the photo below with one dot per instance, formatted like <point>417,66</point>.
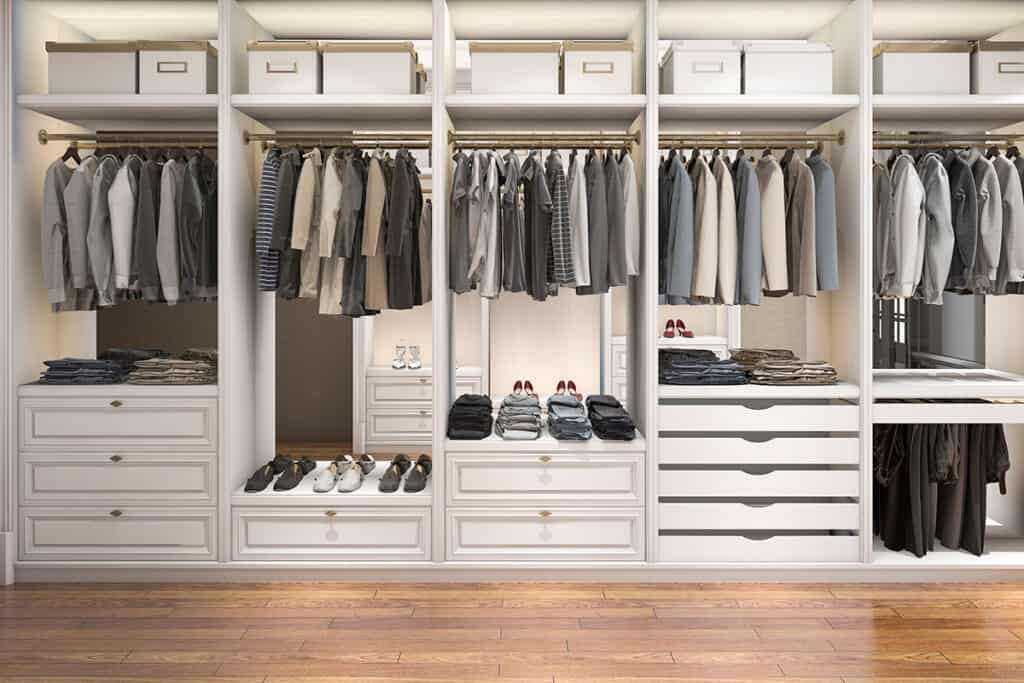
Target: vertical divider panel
<point>642,361</point>
<point>865,326</point>
<point>7,398</point>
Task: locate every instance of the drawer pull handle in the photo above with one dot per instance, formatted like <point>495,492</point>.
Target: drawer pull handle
<point>116,513</point>
<point>116,458</point>
<point>756,471</point>
<point>331,513</point>
<point>116,404</point>
<point>424,413</point>
<point>423,380</point>
<point>758,505</point>
<point>758,537</point>
<point>545,513</point>
<point>545,458</point>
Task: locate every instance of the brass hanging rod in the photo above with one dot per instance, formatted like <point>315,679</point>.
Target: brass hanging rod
<point>137,138</point>
<point>547,139</point>
<point>408,139</point>
<point>903,140</point>
<point>737,140</point>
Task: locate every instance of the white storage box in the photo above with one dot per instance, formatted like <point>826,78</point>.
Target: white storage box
<point>514,68</point>
<point>702,67</point>
<point>284,67</point>
<point>922,68</point>
<point>598,67</point>
<point>787,67</point>
<point>177,68</point>
<point>997,68</point>
<point>103,67</point>
<point>363,68</point>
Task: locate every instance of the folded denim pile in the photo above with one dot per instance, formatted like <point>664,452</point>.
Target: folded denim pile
<point>470,417</point>
<point>519,418</point>
<point>195,366</point>
<point>609,419</point>
<point>781,367</point>
<point>697,367</point>
<point>82,371</point>
<point>567,418</point>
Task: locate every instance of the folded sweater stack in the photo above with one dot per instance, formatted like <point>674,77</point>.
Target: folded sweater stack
<point>751,358</point>
<point>470,417</point>
<point>82,371</point>
<point>697,367</point>
<point>519,418</point>
<point>609,419</point>
<point>567,419</point>
<point>173,371</point>
<point>794,373</point>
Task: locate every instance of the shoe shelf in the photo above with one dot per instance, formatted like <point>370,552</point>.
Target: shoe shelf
<point>544,444</point>
<point>367,495</point>
<point>834,392</point>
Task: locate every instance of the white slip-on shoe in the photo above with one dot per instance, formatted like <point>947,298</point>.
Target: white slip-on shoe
<point>326,478</point>
<point>351,478</point>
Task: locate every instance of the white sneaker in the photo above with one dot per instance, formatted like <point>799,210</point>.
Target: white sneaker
<point>351,478</point>
<point>328,477</point>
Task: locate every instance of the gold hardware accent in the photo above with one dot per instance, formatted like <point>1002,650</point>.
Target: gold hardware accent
<point>331,513</point>
<point>172,67</point>
<point>116,404</point>
<point>545,513</point>
<point>545,458</point>
<point>423,380</point>
<point>116,513</point>
<point>424,412</point>
<point>116,458</point>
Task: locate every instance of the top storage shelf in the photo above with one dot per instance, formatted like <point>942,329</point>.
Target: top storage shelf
<point>788,111</point>
<point>92,110</point>
<point>947,112</point>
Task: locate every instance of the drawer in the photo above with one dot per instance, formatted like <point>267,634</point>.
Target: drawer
<point>745,516</point>
<point>620,390</point>
<point>545,479</point>
<point>128,533</point>
<point>758,415</point>
<point>119,423</point>
<point>343,534</point>
<point>751,548</point>
<point>99,478</point>
<point>756,482</point>
<point>388,392</point>
<point>754,449</point>
<point>620,363</point>
<point>409,426</point>
<point>546,535</point>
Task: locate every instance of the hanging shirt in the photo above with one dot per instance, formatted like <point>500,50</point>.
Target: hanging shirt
<point>597,217</point>
<point>773,225</point>
<point>537,200</point>
<point>197,229</point>
<point>909,220</point>
<point>705,222</point>
<point>617,243</point>
<point>826,239</point>
<point>144,245</point>
<point>77,206</point>
<point>485,258</point>
<point>679,256</point>
<point>458,225</point>
<point>578,221</point>
<point>990,223</point>
<point>56,273</point>
<point>330,201</point>
<point>938,238</point>
<point>727,231</point>
<point>171,178</point>
<point>121,198</point>
<point>884,232</point>
<point>405,204</point>
<point>513,239</point>
<point>307,191</point>
<point>99,240</point>
<point>801,257</point>
<point>309,278</point>
<point>560,263</point>
<point>426,257</point>
<point>750,257</point>
<point>349,238</point>
<point>1011,260</point>
<point>631,195</point>
<point>374,230</point>
<point>267,259</point>
<point>964,212</point>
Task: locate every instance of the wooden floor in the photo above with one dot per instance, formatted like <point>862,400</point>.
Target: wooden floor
<point>511,632</point>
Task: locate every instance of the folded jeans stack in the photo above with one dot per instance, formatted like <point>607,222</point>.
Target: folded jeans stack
<point>519,418</point>
<point>173,371</point>
<point>567,418</point>
<point>697,367</point>
<point>82,371</point>
<point>609,419</point>
<point>470,417</point>
<point>793,373</point>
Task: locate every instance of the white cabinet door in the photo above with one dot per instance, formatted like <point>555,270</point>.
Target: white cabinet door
<point>340,534</point>
<point>391,391</point>
<point>751,450</point>
<point>128,477</point>
<point>513,535</point>
<point>411,427</point>
<point>127,533</point>
<point>545,479</point>
<point>118,423</point>
<point>758,483</point>
<point>754,548</point>
<point>758,416</point>
<point>739,516</point>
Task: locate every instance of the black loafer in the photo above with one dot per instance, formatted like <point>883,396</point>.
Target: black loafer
<point>280,463</point>
<point>307,464</point>
<point>260,479</point>
<point>417,479</point>
<point>291,477</point>
<point>393,475</point>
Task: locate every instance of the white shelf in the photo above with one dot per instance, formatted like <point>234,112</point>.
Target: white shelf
<point>425,371</point>
<point>946,384</point>
<point>800,111</point>
<point>923,412</point>
<point>959,113</point>
<point>278,111</point>
<point>87,110</point>
<point>545,444</point>
<point>696,342</point>
<point>117,391</point>
<point>841,391</point>
<point>620,110</point>
<point>999,552</point>
<point>367,494</point>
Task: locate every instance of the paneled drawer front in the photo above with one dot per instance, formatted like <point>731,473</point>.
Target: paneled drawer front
<point>411,426</point>
<point>755,484</point>
<point>545,535</point>
<point>142,478</point>
<point>140,423</point>
<point>344,534</point>
<point>619,359</point>
<point>758,416</point>
<point>743,516</point>
<point>128,533</point>
<point>743,450</point>
<point>385,392</point>
<point>545,479</point>
<point>755,549</point>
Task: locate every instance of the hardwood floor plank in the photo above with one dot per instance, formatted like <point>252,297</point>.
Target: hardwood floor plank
<point>438,672</point>
<point>504,613</point>
<point>775,613</point>
<point>619,655</point>
<point>334,654</point>
<point>639,670</point>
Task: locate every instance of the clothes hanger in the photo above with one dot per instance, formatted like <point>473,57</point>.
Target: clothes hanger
<point>787,157</point>
<point>767,152</point>
<point>993,152</point>
<point>1013,152</point>
<point>72,153</point>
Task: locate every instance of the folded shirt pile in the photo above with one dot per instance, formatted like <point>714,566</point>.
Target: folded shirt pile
<point>567,418</point>
<point>83,371</point>
<point>697,367</point>
<point>173,371</point>
<point>609,419</point>
<point>470,417</point>
<point>794,372</point>
<point>519,418</point>
<point>751,358</point>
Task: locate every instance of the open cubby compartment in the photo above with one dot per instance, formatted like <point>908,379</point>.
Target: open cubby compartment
<point>39,333</point>
<point>480,20</point>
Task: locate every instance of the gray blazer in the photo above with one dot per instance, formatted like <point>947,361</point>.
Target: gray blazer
<point>748,223</point>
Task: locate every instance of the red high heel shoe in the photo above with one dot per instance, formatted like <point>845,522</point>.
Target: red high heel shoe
<point>681,329</point>
<point>670,330</point>
<point>560,389</point>
<point>528,388</point>
<point>518,388</point>
<point>572,391</point>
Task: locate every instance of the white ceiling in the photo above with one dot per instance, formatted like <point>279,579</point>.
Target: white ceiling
<point>353,19</point>
<point>544,19</point>
<point>745,19</point>
<point>946,19</point>
<point>132,20</point>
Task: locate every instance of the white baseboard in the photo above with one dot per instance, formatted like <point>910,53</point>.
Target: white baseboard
<point>6,558</point>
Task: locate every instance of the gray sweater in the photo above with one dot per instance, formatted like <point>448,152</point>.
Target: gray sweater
<point>990,223</point>
<point>964,205</point>
<point>1011,259</point>
<point>938,238</point>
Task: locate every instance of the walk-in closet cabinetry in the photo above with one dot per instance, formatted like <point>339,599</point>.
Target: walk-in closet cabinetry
<point>777,480</point>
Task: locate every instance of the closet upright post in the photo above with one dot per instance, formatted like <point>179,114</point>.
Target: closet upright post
<point>8,430</point>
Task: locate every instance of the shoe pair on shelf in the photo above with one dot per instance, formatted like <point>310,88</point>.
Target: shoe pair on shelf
<point>523,387</point>
<point>675,329</point>
<point>413,363</point>
<point>416,480</point>
<point>568,388</point>
<point>345,472</point>
<point>291,472</point>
